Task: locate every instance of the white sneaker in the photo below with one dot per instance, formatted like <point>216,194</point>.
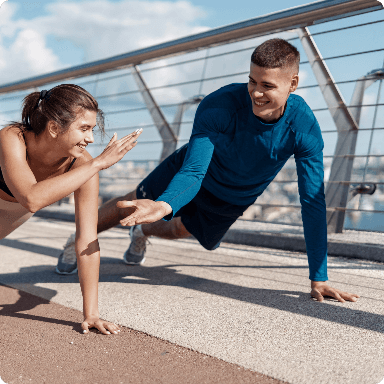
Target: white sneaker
<point>67,263</point>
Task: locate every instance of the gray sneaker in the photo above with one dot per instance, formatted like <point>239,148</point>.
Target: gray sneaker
<point>67,263</point>
<point>135,254</point>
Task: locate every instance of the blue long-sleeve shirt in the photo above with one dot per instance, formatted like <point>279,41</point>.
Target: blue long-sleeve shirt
<point>235,156</point>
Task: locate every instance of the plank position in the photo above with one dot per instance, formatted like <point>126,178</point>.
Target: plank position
<point>43,159</point>
<point>242,136</point>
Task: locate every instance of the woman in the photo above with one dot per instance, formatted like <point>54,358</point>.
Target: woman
<point>43,159</point>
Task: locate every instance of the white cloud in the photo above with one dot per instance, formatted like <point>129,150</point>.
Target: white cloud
<point>105,29</point>
<point>2,1</point>
<point>101,28</point>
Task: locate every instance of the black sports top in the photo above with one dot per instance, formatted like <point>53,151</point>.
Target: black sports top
<point>5,188</point>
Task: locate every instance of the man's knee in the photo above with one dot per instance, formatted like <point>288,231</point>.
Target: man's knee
<point>212,247</point>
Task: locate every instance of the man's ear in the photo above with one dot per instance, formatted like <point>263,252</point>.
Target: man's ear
<point>294,83</point>
<point>52,129</point>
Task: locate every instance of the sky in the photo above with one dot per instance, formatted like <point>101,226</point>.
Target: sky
<point>43,36</point>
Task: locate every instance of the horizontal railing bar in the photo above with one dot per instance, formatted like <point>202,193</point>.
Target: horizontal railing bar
<point>274,181</point>
<point>207,79</point>
<point>228,52</point>
<point>348,106</point>
<point>328,209</point>
<point>354,156</point>
<point>301,16</point>
<point>360,129</point>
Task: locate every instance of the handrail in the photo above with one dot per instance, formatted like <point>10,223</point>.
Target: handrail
<point>301,16</point>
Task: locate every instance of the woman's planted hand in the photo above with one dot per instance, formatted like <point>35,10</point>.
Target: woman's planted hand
<point>116,149</point>
<point>103,326</point>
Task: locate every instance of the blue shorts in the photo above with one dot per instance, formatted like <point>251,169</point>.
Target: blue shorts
<point>206,217</point>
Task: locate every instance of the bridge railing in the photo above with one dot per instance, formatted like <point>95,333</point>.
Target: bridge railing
<point>159,88</point>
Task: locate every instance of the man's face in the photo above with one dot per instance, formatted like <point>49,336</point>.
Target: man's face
<point>269,89</point>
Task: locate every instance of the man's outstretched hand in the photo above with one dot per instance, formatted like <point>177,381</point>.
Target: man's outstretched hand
<point>319,289</point>
<point>146,211</point>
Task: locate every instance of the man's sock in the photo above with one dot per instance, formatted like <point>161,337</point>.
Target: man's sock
<point>138,230</point>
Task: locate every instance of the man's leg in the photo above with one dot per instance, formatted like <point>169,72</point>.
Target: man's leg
<point>173,229</point>
<point>110,216</point>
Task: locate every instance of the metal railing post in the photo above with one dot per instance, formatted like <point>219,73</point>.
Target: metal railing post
<point>167,134</point>
<point>336,194</point>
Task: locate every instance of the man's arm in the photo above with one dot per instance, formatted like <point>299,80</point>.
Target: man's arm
<point>180,191</point>
<point>311,189</point>
<point>208,124</point>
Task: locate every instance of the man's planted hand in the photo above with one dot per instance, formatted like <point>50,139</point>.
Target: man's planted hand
<point>321,289</point>
<point>146,211</point>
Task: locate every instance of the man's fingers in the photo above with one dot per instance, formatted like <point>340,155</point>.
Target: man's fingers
<point>349,296</point>
<point>130,221</point>
<point>337,296</point>
<point>317,295</point>
<point>125,204</point>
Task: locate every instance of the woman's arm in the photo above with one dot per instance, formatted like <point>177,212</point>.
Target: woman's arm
<point>35,195</point>
<point>88,252</point>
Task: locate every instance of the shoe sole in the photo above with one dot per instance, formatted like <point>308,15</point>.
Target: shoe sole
<point>65,273</point>
<point>132,263</point>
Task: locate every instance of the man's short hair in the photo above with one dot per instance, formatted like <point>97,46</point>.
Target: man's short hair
<point>276,53</point>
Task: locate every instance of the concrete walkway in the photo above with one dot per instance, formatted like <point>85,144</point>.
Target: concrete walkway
<point>248,306</point>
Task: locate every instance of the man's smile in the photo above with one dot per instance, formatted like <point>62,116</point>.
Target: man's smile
<point>260,103</point>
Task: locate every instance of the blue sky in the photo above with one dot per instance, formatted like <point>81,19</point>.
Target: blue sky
<point>71,32</point>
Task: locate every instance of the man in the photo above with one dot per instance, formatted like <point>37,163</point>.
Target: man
<point>243,134</point>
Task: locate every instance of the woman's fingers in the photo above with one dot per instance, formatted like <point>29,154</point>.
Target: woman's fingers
<point>114,137</point>
<point>130,137</point>
<point>85,327</point>
<point>104,327</point>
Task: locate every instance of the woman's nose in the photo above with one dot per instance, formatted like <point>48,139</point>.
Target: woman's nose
<point>89,137</point>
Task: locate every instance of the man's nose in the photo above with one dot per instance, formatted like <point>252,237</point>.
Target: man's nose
<point>257,92</point>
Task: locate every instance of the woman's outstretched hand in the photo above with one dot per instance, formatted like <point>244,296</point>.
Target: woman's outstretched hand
<point>116,149</point>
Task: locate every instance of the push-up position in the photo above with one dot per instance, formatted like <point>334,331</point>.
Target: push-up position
<point>43,159</point>
<point>242,136</point>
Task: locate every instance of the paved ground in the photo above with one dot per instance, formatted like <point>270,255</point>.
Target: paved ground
<point>229,315</point>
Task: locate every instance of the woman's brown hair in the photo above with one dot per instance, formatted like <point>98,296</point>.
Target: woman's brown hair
<point>61,105</point>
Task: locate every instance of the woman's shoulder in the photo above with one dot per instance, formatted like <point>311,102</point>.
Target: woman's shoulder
<point>12,136</point>
<point>13,130</point>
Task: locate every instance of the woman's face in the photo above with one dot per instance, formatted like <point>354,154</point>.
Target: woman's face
<point>79,133</point>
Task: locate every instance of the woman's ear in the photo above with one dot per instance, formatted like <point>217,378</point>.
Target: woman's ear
<point>52,129</point>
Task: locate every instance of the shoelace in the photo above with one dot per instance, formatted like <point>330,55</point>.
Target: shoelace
<point>140,244</point>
